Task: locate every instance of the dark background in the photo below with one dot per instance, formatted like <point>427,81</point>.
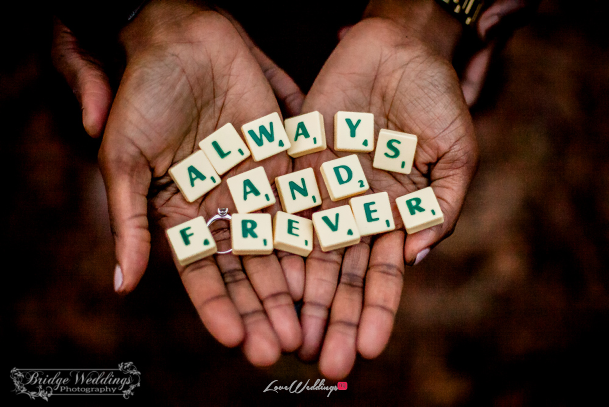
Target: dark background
<point>511,310</point>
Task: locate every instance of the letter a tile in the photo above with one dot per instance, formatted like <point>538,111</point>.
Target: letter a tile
<point>194,176</point>
<point>224,148</point>
<point>420,210</point>
<point>265,136</point>
<point>336,228</point>
<point>354,131</point>
<point>372,213</point>
<point>298,191</point>
<point>395,151</point>
<point>251,233</point>
<point>344,177</point>
<point>191,241</point>
<point>251,190</point>
<point>306,133</point>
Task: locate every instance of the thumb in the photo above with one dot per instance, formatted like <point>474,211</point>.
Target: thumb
<point>127,178</point>
<point>450,179</point>
<point>84,76</point>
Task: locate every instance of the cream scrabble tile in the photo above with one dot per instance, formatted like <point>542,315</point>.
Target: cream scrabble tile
<point>265,136</point>
<point>420,210</point>
<point>344,177</point>
<point>292,234</point>
<point>372,213</point>
<point>251,233</point>
<point>395,151</point>
<point>191,241</point>
<point>194,176</point>
<point>336,228</point>
<point>306,133</point>
<point>354,131</point>
<point>251,190</point>
<point>224,148</point>
<point>298,190</point>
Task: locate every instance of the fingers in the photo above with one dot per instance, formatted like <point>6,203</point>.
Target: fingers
<point>321,279</point>
<point>266,276</point>
<point>261,345</point>
<point>339,347</point>
<point>475,74</point>
<point>294,270</point>
<point>450,179</point>
<point>208,294</point>
<point>127,178</point>
<point>85,77</point>
<point>384,282</point>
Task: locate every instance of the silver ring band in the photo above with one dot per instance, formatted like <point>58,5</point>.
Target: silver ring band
<point>222,215</point>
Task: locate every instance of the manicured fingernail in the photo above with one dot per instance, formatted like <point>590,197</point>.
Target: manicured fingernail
<point>421,256</point>
<point>118,277</point>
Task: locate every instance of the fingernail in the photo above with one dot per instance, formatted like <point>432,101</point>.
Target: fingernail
<point>421,256</point>
<point>118,277</point>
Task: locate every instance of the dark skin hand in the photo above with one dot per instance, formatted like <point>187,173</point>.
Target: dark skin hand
<point>412,88</point>
<point>189,72</point>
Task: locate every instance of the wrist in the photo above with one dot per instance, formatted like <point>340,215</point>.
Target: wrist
<point>164,21</point>
<point>425,20</point>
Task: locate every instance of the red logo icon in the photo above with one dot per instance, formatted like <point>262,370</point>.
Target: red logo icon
<point>341,385</point>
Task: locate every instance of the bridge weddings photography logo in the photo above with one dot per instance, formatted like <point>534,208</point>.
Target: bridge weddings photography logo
<point>45,383</point>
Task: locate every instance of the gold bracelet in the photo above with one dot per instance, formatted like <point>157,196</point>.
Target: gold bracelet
<point>466,11</point>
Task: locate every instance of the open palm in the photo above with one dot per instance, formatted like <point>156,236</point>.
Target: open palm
<point>377,69</point>
<point>188,73</point>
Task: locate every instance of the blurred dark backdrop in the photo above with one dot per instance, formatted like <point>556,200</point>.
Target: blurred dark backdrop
<point>511,310</point>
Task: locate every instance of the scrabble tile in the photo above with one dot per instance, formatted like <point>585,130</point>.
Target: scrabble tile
<point>306,133</point>
<point>224,148</point>
<point>354,131</point>
<point>395,151</point>
<point>191,241</point>
<point>251,233</point>
<point>251,190</point>
<point>372,213</point>
<point>336,228</point>
<point>194,176</point>
<point>265,136</point>
<point>344,177</point>
<point>420,210</point>
<point>298,190</point>
<point>293,234</point>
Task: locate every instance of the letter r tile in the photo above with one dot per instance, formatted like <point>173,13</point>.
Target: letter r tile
<point>251,190</point>
<point>420,210</point>
<point>251,233</point>
<point>344,177</point>
<point>194,176</point>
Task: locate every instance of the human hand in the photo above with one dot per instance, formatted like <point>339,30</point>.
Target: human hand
<point>188,73</point>
<point>405,79</point>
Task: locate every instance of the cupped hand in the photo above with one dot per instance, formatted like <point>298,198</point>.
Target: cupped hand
<point>188,73</point>
<point>377,67</point>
